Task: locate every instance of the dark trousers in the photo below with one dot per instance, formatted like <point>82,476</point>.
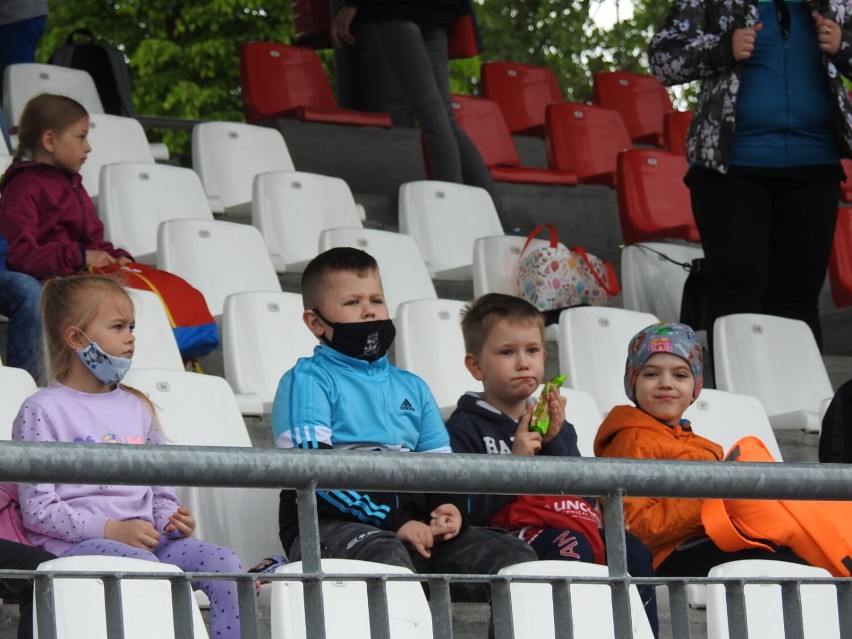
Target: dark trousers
<point>15,556</point>
<point>767,240</point>
<point>696,559</point>
<point>475,551</point>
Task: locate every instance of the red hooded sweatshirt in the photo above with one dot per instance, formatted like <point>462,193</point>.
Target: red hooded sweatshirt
<point>49,221</point>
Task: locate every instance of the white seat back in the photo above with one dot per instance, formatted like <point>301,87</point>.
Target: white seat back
<point>584,414</point>
<point>778,361</point>
<point>200,410</point>
<point>495,263</point>
<point>345,603</point>
<point>227,156</point>
<point>218,258</point>
<point>5,162</point>
<point>24,81</point>
<point>113,139</point>
<point>135,197</point>
<point>292,208</point>
<point>445,219</point>
<point>429,343</point>
<point>725,418</point>
<point>591,604</point>
<point>262,337</point>
<point>764,610</point>
<point>156,346</point>
<point>401,266</point>
<point>146,603</point>
<point>652,284</point>
<point>593,344</point>
<point>16,385</point>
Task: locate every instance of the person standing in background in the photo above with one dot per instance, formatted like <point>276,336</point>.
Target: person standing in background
<point>771,123</point>
<point>412,35</point>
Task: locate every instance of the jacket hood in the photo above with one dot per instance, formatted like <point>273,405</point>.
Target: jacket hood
<point>39,168</point>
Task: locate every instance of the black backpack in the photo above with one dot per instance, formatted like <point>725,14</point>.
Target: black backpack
<point>835,439</point>
<point>107,67</point>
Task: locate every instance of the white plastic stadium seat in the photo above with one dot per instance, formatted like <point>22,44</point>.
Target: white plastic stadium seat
<point>155,345</point>
<point>775,359</point>
<point>591,604</point>
<point>429,343</point>
<point>5,161</point>
<point>200,410</point>
<point>292,208</point>
<point>16,385</point>
<point>262,337</point>
<point>24,81</point>
<point>218,258</point>
<point>495,263</point>
<point>345,603</point>
<point>764,611</point>
<point>725,418</point>
<point>146,603</point>
<point>593,344</point>
<point>136,197</point>
<point>584,414</point>
<point>401,266</point>
<point>227,156</point>
<point>653,284</point>
<point>113,139</point>
<point>445,219</point>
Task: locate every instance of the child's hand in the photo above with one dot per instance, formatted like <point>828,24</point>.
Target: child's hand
<point>417,535</point>
<point>133,532</point>
<point>556,402</point>
<point>181,521</point>
<point>446,522</point>
<point>829,34</point>
<point>526,442</point>
<point>99,259</point>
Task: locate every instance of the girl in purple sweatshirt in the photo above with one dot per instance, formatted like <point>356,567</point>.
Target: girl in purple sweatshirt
<point>88,333</point>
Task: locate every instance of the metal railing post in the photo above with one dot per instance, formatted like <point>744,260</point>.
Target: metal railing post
<point>616,553</point>
<point>309,544</point>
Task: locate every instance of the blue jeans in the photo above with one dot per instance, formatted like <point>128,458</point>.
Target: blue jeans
<point>417,57</point>
<point>19,301</point>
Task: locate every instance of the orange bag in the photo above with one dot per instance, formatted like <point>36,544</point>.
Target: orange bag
<point>820,532</point>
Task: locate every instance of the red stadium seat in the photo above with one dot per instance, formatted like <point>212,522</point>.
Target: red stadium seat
<point>523,92</point>
<point>846,187</point>
<point>840,264</point>
<point>483,122</point>
<point>675,126</point>
<point>586,140</point>
<point>641,99</point>
<point>284,81</point>
<point>653,201</point>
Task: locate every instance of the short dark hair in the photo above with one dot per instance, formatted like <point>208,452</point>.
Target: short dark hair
<point>331,261</point>
<point>480,317</point>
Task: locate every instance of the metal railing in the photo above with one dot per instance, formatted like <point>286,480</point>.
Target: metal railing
<point>307,470</point>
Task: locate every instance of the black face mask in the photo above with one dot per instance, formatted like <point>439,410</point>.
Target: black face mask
<point>362,340</point>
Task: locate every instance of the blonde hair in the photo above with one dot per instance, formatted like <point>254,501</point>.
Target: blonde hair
<point>45,112</point>
<point>75,301</point>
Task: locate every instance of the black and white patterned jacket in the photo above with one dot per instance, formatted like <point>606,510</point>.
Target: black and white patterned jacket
<point>695,44</point>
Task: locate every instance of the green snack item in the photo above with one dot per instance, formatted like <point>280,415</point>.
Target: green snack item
<point>540,420</point>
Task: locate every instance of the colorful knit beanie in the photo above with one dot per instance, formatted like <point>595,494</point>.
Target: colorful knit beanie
<point>667,337</point>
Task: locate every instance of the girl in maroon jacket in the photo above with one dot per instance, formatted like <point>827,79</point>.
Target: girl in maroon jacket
<point>45,213</point>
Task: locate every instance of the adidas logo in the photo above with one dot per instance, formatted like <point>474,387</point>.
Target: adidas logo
<point>406,405</point>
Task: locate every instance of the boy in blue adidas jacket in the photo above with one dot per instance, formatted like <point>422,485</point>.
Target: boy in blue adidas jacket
<point>347,396</point>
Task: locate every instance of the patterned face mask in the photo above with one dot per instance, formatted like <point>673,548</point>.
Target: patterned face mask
<point>109,369</point>
<point>361,340</point>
